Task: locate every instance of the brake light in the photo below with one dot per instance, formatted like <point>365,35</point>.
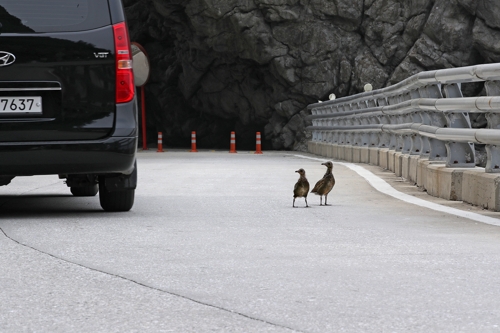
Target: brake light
<point>125,88</point>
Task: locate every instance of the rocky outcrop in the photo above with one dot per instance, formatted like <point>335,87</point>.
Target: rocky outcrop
<point>254,65</point>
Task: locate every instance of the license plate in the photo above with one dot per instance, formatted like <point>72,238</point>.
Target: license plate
<point>20,105</point>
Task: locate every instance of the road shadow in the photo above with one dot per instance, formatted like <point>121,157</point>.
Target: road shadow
<point>46,205</point>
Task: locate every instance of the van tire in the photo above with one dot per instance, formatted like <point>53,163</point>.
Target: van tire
<point>116,201</point>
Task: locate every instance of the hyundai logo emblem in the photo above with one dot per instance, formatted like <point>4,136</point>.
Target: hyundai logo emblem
<point>6,58</point>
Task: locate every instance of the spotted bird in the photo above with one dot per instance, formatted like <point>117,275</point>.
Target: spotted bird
<point>325,184</point>
<point>301,188</point>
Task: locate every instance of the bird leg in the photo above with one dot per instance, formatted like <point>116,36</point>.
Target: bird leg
<point>326,196</point>
<point>306,201</point>
<point>293,205</point>
<point>321,200</point>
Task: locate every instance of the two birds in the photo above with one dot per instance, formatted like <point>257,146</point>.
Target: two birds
<point>322,187</point>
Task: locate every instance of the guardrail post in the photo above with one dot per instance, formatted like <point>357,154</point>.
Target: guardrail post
<point>393,143</point>
<point>349,138</point>
<point>438,151</point>
<point>493,151</point>
<point>335,137</point>
<point>330,137</point>
<point>407,143</point>
<point>365,139</point>
<point>374,139</point>
<point>400,142</point>
<point>384,140</point>
<point>416,144</point>
<point>416,147</point>
<point>460,155</point>
<point>492,88</point>
<point>425,145</point>
<point>493,161</point>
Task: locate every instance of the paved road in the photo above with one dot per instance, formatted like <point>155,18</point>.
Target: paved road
<point>214,245</point>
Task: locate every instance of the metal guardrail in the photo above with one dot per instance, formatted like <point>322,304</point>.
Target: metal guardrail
<point>425,114</point>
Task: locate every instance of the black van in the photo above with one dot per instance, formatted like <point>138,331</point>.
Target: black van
<point>67,97</point>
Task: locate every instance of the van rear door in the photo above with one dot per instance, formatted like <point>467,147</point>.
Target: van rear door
<point>57,70</point>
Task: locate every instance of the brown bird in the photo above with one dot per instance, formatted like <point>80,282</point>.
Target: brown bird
<point>301,187</point>
<point>325,184</point>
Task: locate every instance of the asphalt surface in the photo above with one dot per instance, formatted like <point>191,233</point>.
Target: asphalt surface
<point>213,244</point>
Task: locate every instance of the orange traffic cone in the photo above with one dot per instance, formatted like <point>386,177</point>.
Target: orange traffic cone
<point>232,148</point>
<point>160,142</point>
<point>193,142</point>
<point>258,145</point>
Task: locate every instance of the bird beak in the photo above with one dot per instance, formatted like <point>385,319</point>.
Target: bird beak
<point>323,163</point>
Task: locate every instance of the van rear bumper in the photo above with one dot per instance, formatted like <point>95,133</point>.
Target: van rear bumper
<point>111,155</point>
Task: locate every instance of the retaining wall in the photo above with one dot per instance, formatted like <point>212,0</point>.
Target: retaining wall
<point>472,185</point>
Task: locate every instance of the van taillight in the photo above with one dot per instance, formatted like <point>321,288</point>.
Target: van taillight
<point>125,88</point>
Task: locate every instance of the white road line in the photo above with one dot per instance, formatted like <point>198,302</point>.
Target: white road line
<point>382,186</point>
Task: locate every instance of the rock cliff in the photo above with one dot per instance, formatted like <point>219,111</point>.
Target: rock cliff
<point>254,65</point>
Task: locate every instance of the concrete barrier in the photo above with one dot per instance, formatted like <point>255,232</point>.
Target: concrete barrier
<point>398,164</point>
<point>340,152</point>
<point>383,160</point>
<point>356,155</point>
<point>413,169</point>
<point>421,171</point>
<point>442,182</point>
<point>391,158</point>
<point>364,154</point>
<point>373,156</point>
<point>481,189</point>
<point>405,168</point>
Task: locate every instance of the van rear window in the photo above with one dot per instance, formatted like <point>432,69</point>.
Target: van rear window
<point>28,16</point>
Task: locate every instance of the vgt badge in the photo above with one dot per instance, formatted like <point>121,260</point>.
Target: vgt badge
<point>6,58</point>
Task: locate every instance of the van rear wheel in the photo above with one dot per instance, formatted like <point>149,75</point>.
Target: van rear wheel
<point>121,196</point>
<point>116,201</point>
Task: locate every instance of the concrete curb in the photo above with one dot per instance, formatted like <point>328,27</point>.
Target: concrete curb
<point>471,185</point>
